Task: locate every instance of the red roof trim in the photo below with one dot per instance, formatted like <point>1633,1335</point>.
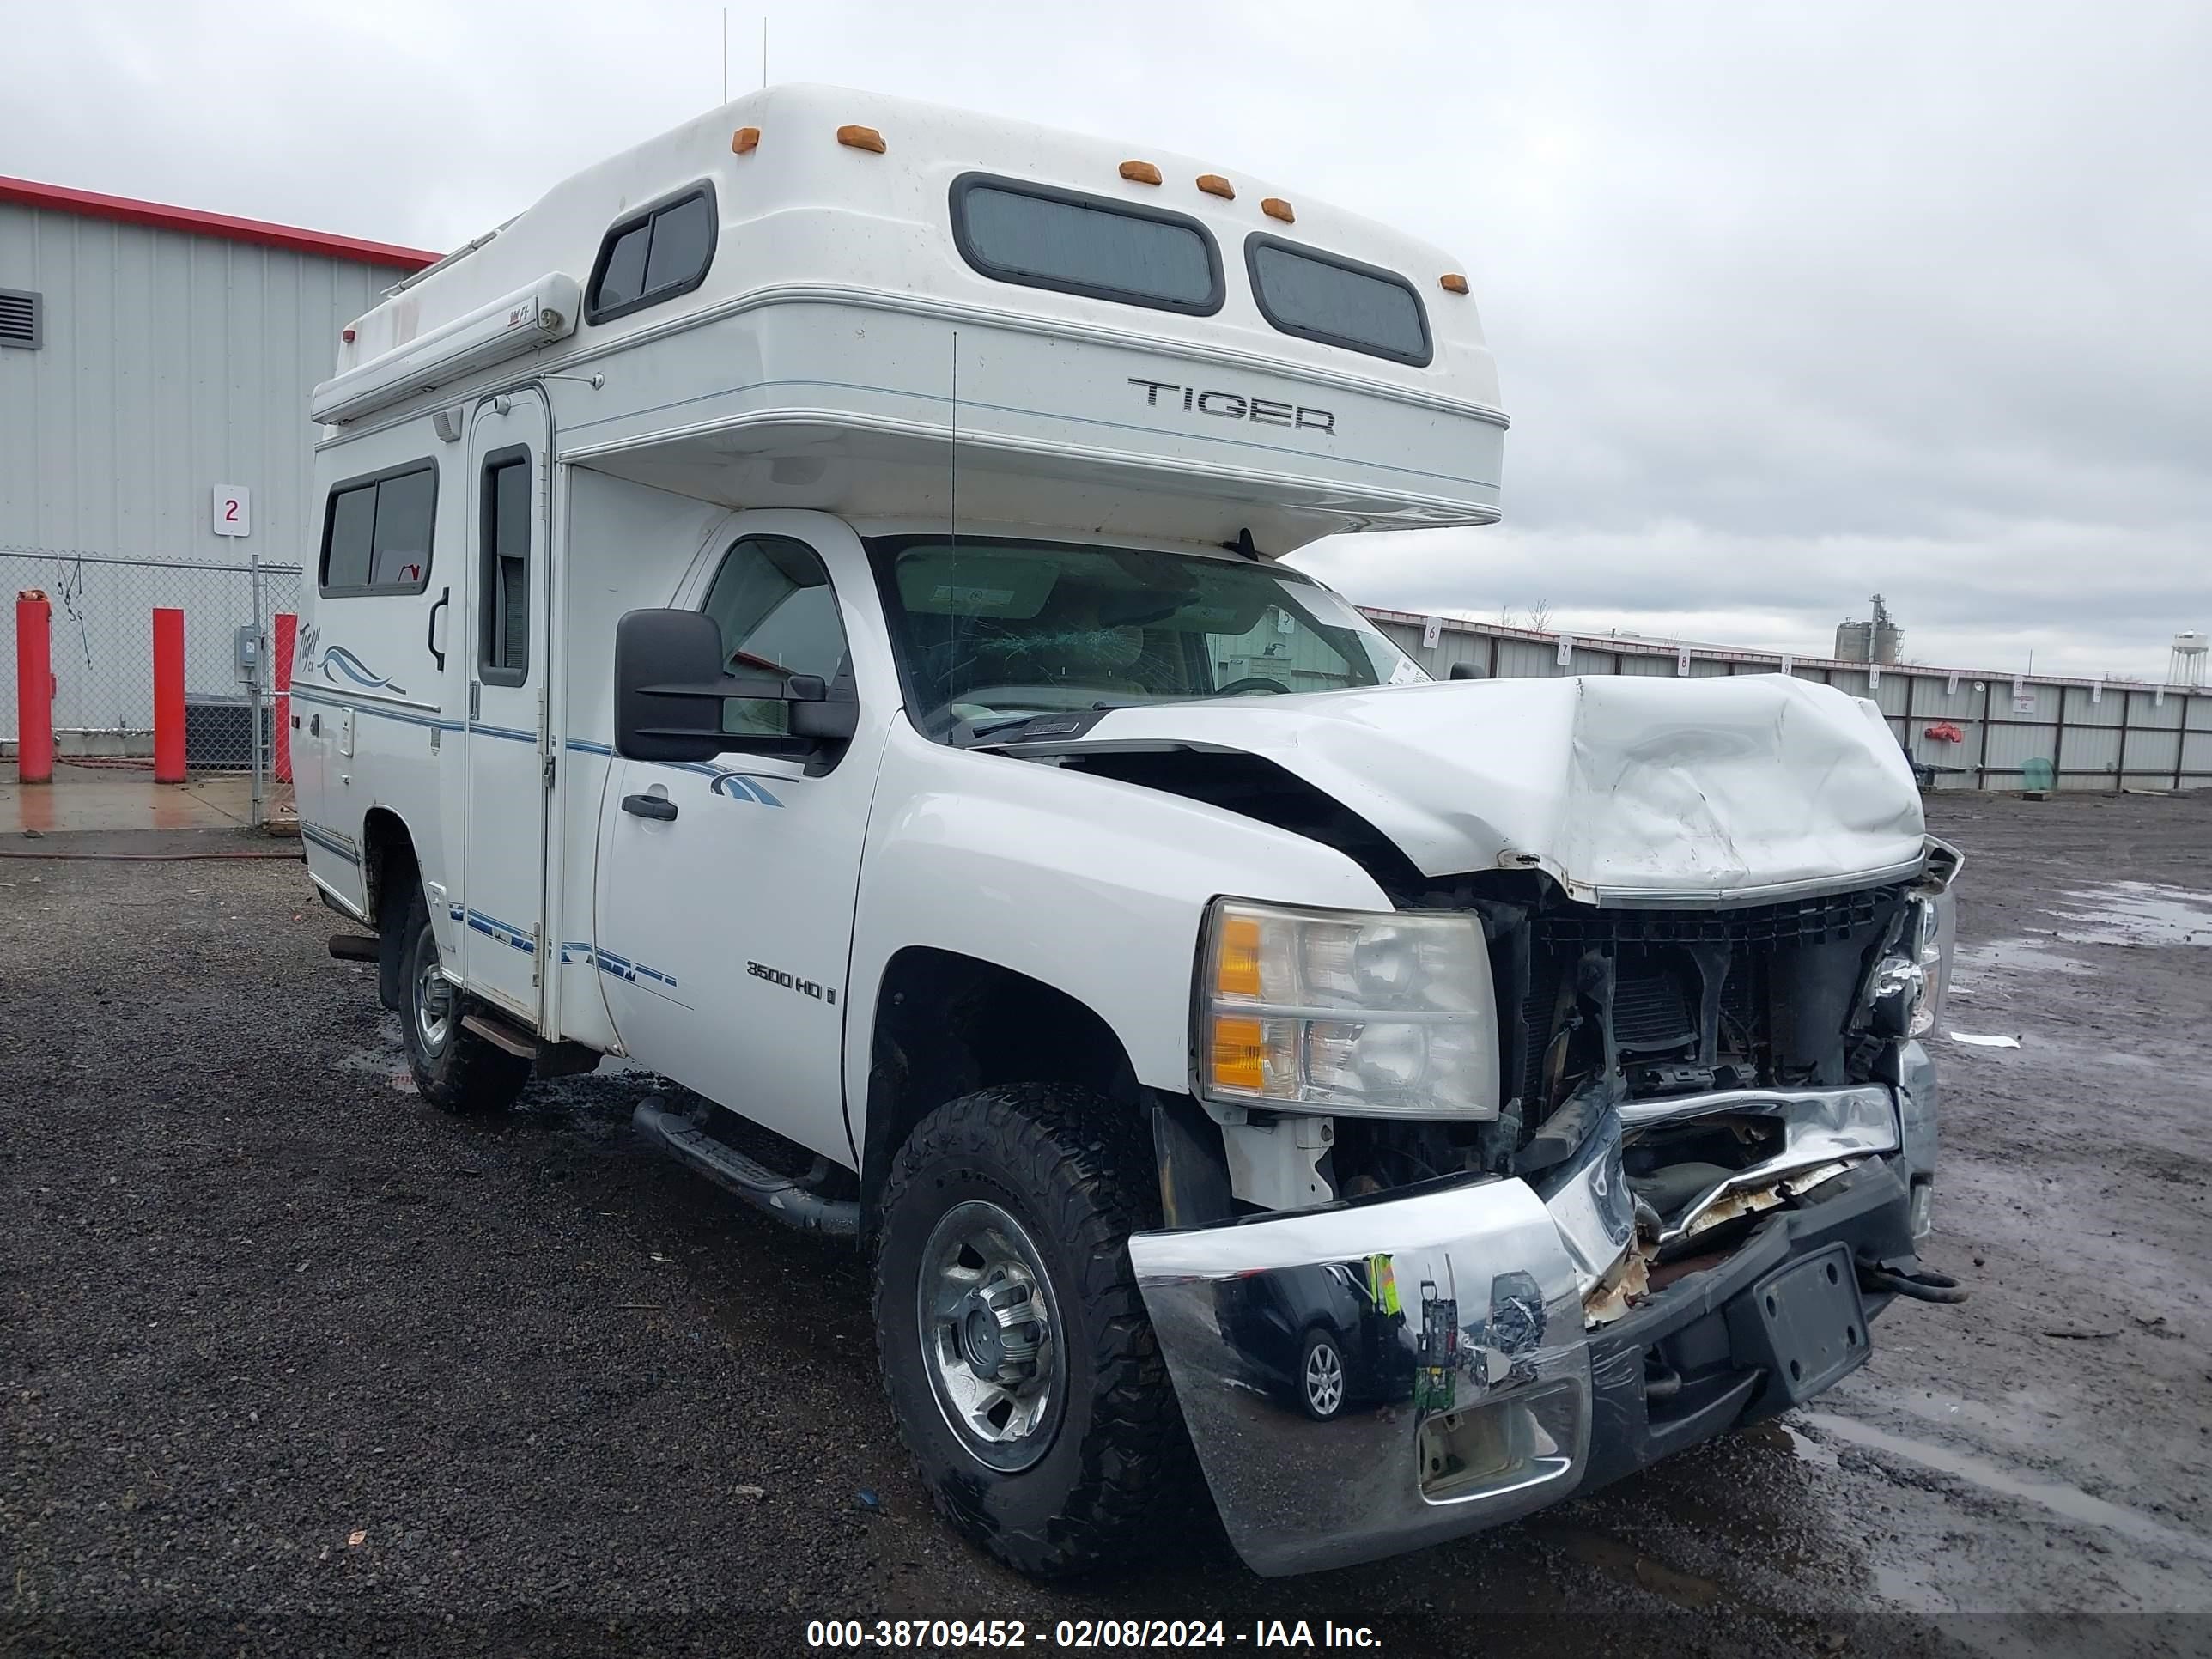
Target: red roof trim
<point>93,204</point>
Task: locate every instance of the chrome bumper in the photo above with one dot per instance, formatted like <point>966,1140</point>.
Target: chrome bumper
<point>1479,1369</point>
<point>1461,1307</point>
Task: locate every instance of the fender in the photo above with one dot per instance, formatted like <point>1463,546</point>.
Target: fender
<point>1092,886</point>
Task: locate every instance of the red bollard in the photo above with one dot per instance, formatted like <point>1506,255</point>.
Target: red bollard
<point>287,637</point>
<point>169,694</point>
<point>34,687</point>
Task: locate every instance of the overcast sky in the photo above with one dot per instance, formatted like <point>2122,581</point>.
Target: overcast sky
<point>1790,303</point>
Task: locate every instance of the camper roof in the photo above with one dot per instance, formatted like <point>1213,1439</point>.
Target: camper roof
<point>797,299</point>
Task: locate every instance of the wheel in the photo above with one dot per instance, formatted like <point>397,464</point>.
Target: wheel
<point>456,1070</point>
<point>1021,1367</point>
<point>1321,1376</point>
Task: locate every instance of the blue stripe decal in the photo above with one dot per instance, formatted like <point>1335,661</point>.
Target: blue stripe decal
<point>621,967</point>
<point>731,786</point>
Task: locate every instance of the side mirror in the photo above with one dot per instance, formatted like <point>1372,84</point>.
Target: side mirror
<point>1464,671</point>
<point>670,687</point>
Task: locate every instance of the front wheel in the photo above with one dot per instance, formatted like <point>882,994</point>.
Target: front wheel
<point>455,1070</point>
<point>1020,1365</point>
<point>1322,1385</point>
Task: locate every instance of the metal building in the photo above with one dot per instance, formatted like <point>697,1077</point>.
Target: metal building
<point>149,355</point>
<point>154,368</point>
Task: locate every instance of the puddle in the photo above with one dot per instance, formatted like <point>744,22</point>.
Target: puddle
<point>2071,1503</point>
<point>2016,955</point>
<point>2135,913</point>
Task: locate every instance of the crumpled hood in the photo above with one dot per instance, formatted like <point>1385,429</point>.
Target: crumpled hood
<point>1627,789</point>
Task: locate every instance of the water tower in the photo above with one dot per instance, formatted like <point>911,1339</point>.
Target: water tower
<point>2185,666</point>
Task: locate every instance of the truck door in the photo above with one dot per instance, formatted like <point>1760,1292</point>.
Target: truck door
<point>502,900</point>
<point>723,932</point>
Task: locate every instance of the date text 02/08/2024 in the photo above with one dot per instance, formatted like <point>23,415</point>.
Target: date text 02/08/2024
<point>1281,1634</point>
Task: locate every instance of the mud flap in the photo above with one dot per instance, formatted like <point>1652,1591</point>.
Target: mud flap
<point>1804,1324</point>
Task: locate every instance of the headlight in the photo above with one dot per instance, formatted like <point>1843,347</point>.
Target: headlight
<point>1908,987</point>
<point>1387,1015</point>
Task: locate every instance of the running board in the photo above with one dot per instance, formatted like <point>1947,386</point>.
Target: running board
<point>676,1136</point>
<point>551,1058</point>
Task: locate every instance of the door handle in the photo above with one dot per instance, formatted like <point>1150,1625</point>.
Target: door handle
<point>650,806</point>
<point>430,634</point>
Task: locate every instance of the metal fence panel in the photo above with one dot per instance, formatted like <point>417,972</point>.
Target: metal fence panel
<point>102,644</point>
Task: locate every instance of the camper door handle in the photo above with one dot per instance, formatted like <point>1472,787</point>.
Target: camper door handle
<point>430,634</point>
<point>650,806</point>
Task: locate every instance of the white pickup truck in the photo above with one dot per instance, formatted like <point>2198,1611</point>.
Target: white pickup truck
<point>801,608</point>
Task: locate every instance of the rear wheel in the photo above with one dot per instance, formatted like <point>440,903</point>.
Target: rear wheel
<point>1016,1352</point>
<point>455,1070</point>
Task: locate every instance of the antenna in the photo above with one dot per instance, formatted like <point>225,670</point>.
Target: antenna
<point>956,438</point>
<point>726,54</point>
<point>764,52</point>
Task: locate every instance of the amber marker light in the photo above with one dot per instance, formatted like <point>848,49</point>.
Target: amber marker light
<point>1452,282</point>
<point>866,138</point>
<point>1140,173</point>
<point>1240,1049</point>
<point>1214,184</point>
<point>1276,208</point>
<point>745,141</point>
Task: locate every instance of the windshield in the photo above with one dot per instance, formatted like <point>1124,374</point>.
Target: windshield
<point>993,633</point>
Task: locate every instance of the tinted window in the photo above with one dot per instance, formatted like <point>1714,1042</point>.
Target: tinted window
<point>778,614</point>
<point>399,550</point>
<point>377,533</point>
<point>654,256</point>
<point>1045,238</point>
<point>1321,296</point>
<point>504,603</point>
<point>683,237</point>
<point>623,279</point>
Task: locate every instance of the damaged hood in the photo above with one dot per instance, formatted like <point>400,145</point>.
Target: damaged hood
<point>1627,790</point>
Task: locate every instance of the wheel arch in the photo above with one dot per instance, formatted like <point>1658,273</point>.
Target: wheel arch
<point>947,1024</point>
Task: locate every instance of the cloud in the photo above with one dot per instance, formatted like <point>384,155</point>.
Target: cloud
<point>1790,304</point>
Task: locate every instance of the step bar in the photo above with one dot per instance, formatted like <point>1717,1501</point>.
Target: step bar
<point>785,1197</point>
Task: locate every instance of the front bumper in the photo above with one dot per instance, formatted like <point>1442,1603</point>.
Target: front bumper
<point>1494,1401</point>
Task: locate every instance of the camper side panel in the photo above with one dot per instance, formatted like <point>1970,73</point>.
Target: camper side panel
<point>374,753</point>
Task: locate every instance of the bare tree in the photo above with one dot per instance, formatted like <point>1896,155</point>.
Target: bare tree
<point>1540,616</point>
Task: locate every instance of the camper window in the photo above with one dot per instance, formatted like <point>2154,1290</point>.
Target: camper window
<point>1338,301</point>
<point>503,606</point>
<point>778,614</point>
<point>653,255</point>
<point>1042,237</point>
<point>376,532</point>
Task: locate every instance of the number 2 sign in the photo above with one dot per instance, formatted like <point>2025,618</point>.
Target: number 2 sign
<point>233,510</point>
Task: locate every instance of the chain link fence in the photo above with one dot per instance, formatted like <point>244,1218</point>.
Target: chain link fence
<point>103,611</point>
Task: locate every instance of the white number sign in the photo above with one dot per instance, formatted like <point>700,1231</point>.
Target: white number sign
<point>233,510</point>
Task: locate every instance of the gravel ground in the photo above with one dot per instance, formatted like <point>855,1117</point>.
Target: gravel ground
<point>291,1363</point>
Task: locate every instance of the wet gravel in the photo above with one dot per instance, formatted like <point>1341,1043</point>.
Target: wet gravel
<point>291,1363</point>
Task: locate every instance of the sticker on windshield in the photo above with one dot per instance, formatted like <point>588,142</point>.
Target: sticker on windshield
<point>1407,672</point>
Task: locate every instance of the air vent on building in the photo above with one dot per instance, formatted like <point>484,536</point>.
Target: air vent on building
<point>21,314</point>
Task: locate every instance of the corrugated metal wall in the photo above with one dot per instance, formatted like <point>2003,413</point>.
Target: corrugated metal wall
<point>2096,735</point>
<point>172,363</point>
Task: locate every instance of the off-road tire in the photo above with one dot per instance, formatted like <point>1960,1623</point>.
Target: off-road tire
<point>468,1077</point>
<point>1069,1166</point>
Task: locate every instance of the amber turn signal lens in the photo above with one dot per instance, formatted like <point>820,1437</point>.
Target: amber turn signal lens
<point>1140,173</point>
<point>861,138</point>
<point>1276,208</point>
<point>1452,282</point>
<point>745,141</point>
<point>1239,1054</point>
<point>1237,970</point>
<point>1214,184</point>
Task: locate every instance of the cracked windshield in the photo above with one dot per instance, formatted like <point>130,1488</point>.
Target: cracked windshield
<point>993,634</point>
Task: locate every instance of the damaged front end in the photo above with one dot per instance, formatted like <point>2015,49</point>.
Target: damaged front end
<point>1710,1156</point>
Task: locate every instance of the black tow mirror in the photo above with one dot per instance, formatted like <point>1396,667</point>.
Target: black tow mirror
<point>670,688</point>
<point>1464,671</point>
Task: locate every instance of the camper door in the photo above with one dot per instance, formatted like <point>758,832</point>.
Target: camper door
<point>502,893</point>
